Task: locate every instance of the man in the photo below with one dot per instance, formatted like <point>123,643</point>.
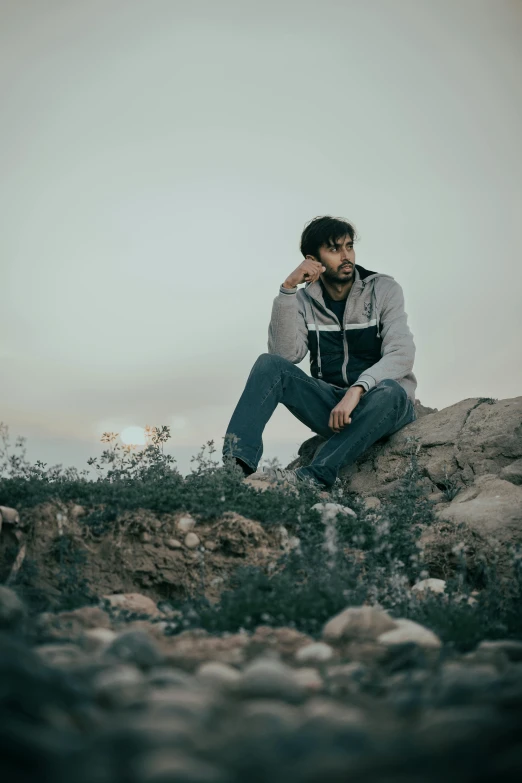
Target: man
<point>362,387</point>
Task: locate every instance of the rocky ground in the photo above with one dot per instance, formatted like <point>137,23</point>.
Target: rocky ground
<point>95,695</point>
<point>122,688</point>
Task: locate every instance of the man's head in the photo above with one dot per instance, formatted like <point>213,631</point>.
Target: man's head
<point>330,240</point>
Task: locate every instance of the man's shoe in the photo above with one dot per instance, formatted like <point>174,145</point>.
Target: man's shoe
<point>266,477</point>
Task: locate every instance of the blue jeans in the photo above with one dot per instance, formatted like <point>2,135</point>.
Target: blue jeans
<point>381,411</point>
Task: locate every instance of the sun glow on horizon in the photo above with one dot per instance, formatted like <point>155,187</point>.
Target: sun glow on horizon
<point>134,436</point>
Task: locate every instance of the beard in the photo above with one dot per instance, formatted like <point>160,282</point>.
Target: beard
<point>342,274</point>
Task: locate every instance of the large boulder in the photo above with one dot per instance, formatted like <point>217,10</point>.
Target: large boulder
<point>470,460</point>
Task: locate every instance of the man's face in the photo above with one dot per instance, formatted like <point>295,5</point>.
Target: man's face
<point>339,260</point>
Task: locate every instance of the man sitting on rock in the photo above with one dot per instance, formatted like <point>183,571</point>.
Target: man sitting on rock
<point>362,387</point>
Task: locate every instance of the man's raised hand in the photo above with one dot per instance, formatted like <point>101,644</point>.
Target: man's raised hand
<point>308,271</point>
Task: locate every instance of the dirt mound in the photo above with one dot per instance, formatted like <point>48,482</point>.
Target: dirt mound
<point>165,556</point>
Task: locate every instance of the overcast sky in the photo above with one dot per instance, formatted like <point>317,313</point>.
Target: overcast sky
<point>160,159</point>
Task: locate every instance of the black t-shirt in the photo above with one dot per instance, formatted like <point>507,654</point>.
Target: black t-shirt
<point>336,306</point>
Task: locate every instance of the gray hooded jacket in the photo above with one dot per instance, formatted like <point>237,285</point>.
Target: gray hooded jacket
<point>372,344</point>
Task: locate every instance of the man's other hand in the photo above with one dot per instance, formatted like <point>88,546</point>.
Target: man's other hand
<point>341,415</point>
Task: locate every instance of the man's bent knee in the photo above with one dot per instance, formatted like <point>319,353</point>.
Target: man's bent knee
<point>393,388</point>
<point>270,362</point>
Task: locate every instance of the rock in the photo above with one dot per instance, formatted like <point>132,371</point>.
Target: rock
<point>310,679</point>
<point>173,543</point>
<point>12,609</point>
<point>318,652</point>
<point>217,675</point>
<point>165,765</point>
<point>358,622</point>
<point>270,679</point>
<point>511,648</point>
<point>268,718</point>
<point>145,538</point>
<point>409,631</point>
<point>461,685</point>
<point>429,585</point>
<point>327,717</point>
<point>188,704</point>
<point>491,506</point>
<point>211,545</point>
<point>120,686</point>
<point>281,641</point>
<point>168,676</point>
<point>346,678</point>
<point>132,602</point>
<point>372,503</point>
<point>60,655</point>
<point>9,515</point>
<point>97,639</point>
<point>186,524</point>
<point>512,472</point>
<point>135,647</point>
<point>191,541</point>
<point>470,439</point>
<point>329,511</point>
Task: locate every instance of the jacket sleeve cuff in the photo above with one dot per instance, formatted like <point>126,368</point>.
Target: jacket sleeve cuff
<point>288,290</point>
<point>366,381</point>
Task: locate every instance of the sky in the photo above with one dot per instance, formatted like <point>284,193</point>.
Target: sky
<point>159,161</point>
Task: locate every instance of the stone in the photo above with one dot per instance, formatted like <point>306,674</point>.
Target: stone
<point>329,511</point>
<point>265,717</point>
<point>409,631</point>
<point>191,541</point>
<point>270,679</point>
<point>509,647</point>
<point>491,506</point>
<point>9,515</point>
<point>429,585</point>
<point>60,655</point>
<point>166,765</point>
<point>211,545</point>
<point>97,639</point>
<point>120,686</point>
<point>170,676</point>
<point>186,524</point>
<point>145,538</point>
<point>135,647</point>
<point>346,678</point>
<point>12,609</point>
<point>188,704</point>
<point>512,472</point>
<point>173,543</point>
<point>132,602</point>
<point>318,652</point>
<point>358,622</point>
<point>310,679</point>
<point>372,503</point>
<point>218,675</point>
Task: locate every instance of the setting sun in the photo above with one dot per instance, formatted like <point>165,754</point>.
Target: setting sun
<point>133,436</point>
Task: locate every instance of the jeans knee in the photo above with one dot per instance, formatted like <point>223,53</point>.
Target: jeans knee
<point>393,390</point>
<point>268,361</point>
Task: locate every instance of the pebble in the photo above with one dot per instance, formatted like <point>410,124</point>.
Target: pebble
<point>318,652</point>
<point>119,686</point>
<point>9,515</point>
<point>426,585</point>
<point>186,523</point>
<point>132,602</point>
<point>371,503</point>
<point>409,631</point>
<point>329,511</point>
<point>173,543</point>
<point>165,765</point>
<point>191,541</point>
<point>135,647</point>
<point>60,655</point>
<point>358,622</point>
<point>310,679</point>
<point>270,679</point>
<point>12,610</point>
<point>211,545</point>
<point>511,648</point>
<point>170,676</point>
<point>346,678</point>
<point>145,538</point>
<point>188,704</point>
<point>218,675</point>
<point>97,639</point>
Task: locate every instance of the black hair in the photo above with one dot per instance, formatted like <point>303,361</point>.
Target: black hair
<point>324,230</point>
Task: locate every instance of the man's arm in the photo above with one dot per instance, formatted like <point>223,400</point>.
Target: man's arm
<point>287,332</point>
<point>398,348</point>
